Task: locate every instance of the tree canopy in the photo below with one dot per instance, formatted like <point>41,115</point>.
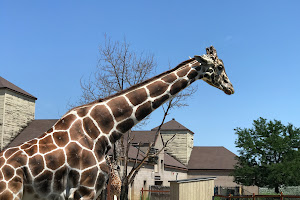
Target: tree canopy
<point>269,155</point>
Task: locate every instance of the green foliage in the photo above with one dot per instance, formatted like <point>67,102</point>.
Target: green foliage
<point>269,155</point>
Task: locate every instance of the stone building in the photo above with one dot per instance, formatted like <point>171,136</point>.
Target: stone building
<point>17,108</point>
<point>183,143</point>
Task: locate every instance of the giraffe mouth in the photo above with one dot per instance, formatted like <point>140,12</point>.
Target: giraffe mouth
<point>228,91</point>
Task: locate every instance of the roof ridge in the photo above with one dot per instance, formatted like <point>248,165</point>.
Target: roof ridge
<point>7,84</point>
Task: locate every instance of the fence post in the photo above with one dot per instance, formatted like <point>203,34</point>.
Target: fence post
<point>229,196</point>
<point>253,196</point>
<point>142,193</point>
<point>281,196</point>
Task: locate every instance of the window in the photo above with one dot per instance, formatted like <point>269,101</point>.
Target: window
<point>158,183</point>
<point>162,165</point>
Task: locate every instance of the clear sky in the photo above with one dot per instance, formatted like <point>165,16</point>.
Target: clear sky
<point>47,46</point>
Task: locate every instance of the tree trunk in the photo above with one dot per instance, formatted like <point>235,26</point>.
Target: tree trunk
<point>277,189</point>
<point>124,192</point>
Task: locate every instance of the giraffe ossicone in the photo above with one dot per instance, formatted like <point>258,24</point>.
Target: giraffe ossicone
<point>68,161</point>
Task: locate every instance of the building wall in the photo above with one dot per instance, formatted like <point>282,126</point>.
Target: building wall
<point>1,110</point>
<point>223,178</point>
<point>18,111</point>
<point>181,146</point>
<point>146,177</point>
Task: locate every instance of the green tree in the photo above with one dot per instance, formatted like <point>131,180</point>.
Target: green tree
<point>269,155</point>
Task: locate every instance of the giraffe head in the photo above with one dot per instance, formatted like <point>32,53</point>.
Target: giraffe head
<point>213,72</point>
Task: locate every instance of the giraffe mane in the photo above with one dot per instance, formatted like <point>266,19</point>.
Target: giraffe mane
<point>139,84</point>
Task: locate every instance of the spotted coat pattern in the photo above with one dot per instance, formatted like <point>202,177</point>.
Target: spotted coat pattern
<point>68,161</point>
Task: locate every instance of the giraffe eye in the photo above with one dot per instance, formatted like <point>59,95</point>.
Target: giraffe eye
<point>220,67</point>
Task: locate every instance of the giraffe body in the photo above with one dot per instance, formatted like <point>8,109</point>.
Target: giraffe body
<point>68,161</point>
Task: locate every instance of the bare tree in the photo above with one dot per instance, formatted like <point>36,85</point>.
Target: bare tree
<point>120,67</point>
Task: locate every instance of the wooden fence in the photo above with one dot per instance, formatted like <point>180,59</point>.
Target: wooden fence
<point>281,196</point>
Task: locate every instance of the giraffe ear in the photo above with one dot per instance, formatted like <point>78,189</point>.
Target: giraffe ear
<point>201,60</point>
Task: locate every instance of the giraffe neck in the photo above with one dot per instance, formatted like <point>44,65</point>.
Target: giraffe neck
<point>113,116</point>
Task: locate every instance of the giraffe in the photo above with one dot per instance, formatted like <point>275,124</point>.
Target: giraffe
<point>68,161</point>
<point>114,184</point>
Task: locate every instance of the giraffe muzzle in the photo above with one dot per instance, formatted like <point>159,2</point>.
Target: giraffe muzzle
<point>229,91</point>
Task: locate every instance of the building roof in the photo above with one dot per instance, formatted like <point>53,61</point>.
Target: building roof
<point>35,129</point>
<point>143,136</point>
<point>211,158</point>
<point>5,84</point>
<point>172,125</point>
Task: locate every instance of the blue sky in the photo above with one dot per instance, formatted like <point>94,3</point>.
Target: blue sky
<point>47,46</point>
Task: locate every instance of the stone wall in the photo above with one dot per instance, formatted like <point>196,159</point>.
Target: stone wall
<point>181,146</point>
<point>17,111</point>
<point>2,92</point>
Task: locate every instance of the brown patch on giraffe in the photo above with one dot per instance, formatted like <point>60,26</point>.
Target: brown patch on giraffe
<point>81,112</point>
<point>178,86</point>
<point>73,177</point>
<point>105,168</point>
<point>73,152</point>
<point>2,161</point>
<point>157,88</point>
<point>87,159</point>
<point>17,160</point>
<point>31,151</point>
<point>50,130</point>
<point>20,172</point>
<point>88,177</point>
<point>6,195</point>
<point>42,183</point>
<point>2,186</point>
<point>86,142</point>
<point>55,159</point>
<point>36,164</point>
<point>103,117</point>
<point>143,110</point>
<point>100,148</point>
<point>101,180</point>
<point>8,172</point>
<point>120,108</point>
<point>59,180</point>
<point>61,138</point>
<point>28,189</point>
<point>138,96</point>
<point>170,78</point>
<point>114,136</point>
<point>46,145</point>
<point>183,72</point>
<point>9,152</point>
<point>64,123</point>
<point>29,144</point>
<point>25,146</point>
<point>76,131</point>
<point>15,184</point>
<point>157,102</point>
<point>125,125</point>
<point>90,128</point>
<point>192,74</point>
